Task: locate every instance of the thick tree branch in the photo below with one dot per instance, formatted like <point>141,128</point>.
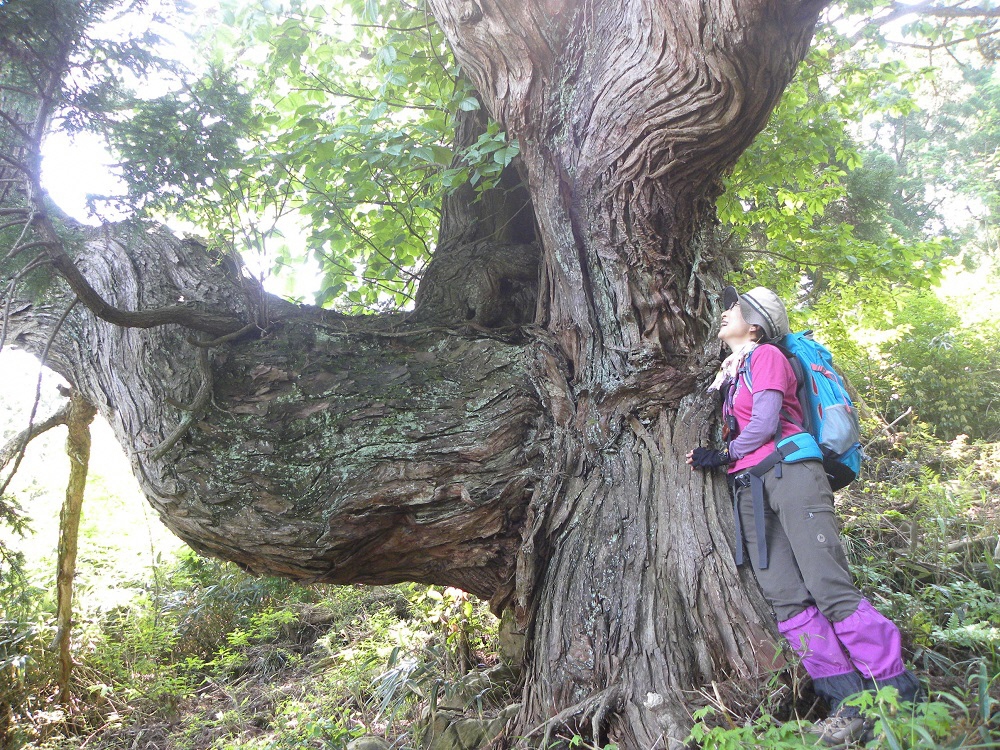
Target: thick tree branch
<point>191,316</point>
<point>330,449</point>
<point>486,265</point>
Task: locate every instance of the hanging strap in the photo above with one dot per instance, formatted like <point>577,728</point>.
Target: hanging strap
<point>757,499</point>
<point>756,478</point>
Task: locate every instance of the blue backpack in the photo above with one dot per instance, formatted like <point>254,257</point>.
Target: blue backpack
<point>828,411</point>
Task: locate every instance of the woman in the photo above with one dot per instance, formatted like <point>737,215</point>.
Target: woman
<point>793,538</point>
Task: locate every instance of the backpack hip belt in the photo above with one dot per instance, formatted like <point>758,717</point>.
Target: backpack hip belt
<point>799,447</point>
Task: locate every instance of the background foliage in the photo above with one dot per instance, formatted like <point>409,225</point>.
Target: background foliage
<point>319,136</point>
<point>345,116</point>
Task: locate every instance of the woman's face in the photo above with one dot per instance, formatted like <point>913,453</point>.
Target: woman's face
<point>734,329</point>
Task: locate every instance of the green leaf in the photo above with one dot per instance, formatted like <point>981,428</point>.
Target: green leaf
<point>424,153</point>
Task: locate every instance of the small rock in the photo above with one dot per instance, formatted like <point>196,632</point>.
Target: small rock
<point>466,734</point>
<point>503,674</point>
<point>445,730</point>
<point>368,742</point>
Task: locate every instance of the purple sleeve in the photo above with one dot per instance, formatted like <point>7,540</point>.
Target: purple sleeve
<point>762,426</point>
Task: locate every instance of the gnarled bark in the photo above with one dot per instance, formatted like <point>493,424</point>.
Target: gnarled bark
<point>331,449</point>
<point>544,470</point>
<point>627,114</point>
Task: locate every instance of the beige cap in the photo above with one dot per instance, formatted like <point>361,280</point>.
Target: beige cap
<point>762,307</point>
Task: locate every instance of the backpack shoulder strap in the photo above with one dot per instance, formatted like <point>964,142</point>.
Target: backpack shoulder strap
<point>794,362</point>
<point>744,372</point>
<point>745,367</point>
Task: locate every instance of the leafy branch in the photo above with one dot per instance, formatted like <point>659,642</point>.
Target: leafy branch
<point>41,60</point>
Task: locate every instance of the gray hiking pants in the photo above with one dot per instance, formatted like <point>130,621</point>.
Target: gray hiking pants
<point>807,565</point>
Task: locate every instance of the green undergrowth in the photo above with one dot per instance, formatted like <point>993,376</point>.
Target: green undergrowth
<point>923,534</point>
<point>945,721</point>
<point>206,657</point>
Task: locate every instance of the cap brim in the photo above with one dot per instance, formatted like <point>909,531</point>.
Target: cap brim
<point>729,297</point>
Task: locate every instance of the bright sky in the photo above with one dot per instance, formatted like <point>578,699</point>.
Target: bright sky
<point>79,165</point>
<point>75,166</point>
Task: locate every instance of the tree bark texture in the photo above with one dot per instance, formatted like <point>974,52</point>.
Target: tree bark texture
<point>331,449</point>
<point>627,115</point>
<point>542,469</point>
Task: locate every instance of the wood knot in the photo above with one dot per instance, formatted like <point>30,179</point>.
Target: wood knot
<point>470,13</point>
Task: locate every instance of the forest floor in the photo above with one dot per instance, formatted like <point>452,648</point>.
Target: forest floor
<point>200,656</point>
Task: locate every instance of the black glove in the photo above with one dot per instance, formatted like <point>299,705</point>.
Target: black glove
<point>706,458</point>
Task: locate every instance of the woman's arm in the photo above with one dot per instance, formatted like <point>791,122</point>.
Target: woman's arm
<point>762,426</point>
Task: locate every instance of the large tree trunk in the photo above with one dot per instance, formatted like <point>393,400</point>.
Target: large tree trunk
<point>627,115</point>
<point>541,467</point>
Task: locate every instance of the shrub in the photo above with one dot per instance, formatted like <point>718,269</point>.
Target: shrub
<point>927,360</point>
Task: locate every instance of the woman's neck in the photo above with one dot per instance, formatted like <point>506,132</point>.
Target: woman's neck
<point>738,343</point>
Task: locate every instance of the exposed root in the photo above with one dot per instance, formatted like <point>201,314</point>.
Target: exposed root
<point>596,709</point>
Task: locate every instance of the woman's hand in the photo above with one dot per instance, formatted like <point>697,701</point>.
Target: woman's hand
<point>706,458</point>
